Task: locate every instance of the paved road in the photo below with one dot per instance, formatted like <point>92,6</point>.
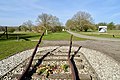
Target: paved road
<point>109,46</point>
<point>91,37</point>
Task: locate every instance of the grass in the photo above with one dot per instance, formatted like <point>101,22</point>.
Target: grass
<point>109,34</point>
<point>60,36</point>
<point>11,46</point>
<point>28,36</point>
<point>8,48</point>
<point>21,35</point>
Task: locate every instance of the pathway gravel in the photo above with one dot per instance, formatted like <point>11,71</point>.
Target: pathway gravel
<point>92,37</point>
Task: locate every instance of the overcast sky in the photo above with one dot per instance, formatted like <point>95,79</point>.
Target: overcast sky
<point>15,12</point>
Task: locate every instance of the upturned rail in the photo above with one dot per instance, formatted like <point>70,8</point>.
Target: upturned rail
<point>23,76</point>
<point>75,74</point>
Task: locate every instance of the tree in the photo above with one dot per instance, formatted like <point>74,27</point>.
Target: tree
<point>111,26</point>
<point>48,21</point>
<point>2,28</point>
<point>24,28</point>
<point>54,21</point>
<point>28,24</point>
<point>70,24</point>
<point>81,21</point>
<point>19,28</point>
<point>58,28</point>
<point>102,24</point>
<point>87,25</point>
<point>11,29</point>
<point>118,27</point>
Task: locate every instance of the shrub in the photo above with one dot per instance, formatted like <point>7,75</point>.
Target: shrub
<point>11,30</point>
<point>57,29</point>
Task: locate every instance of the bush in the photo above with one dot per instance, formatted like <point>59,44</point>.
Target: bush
<point>57,29</point>
<point>11,30</point>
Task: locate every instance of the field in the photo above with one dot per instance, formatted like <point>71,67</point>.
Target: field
<point>108,34</point>
<point>21,41</point>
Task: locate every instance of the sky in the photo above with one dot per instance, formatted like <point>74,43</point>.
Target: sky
<point>15,12</point>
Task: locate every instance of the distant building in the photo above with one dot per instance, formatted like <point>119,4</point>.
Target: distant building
<point>102,29</point>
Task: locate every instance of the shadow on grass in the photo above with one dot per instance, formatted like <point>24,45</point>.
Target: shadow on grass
<point>25,37</point>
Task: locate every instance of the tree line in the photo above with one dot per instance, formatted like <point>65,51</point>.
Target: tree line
<point>81,21</point>
<point>44,22</point>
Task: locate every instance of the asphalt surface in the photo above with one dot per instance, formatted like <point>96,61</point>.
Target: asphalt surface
<point>110,47</point>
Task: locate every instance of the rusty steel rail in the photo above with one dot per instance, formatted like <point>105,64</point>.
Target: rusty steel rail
<point>69,61</point>
<point>74,65</point>
<point>23,76</point>
<point>75,74</point>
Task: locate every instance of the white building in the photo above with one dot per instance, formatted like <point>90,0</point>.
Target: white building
<point>102,29</point>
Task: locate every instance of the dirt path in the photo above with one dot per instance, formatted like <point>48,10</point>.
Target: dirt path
<point>92,37</point>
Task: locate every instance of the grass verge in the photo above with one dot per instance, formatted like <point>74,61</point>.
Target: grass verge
<point>8,48</point>
<point>108,34</point>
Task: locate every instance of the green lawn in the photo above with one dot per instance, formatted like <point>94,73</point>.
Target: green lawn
<point>50,36</point>
<point>13,46</point>
<point>8,48</point>
<point>22,36</point>
<point>28,36</point>
<point>60,36</point>
<point>108,34</point>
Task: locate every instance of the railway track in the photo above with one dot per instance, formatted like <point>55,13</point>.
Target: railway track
<point>54,63</point>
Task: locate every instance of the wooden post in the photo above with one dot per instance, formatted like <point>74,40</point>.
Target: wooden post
<point>6,32</point>
<point>46,31</point>
<point>17,37</point>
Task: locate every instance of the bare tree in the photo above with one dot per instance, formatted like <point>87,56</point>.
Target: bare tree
<point>54,21</point>
<point>44,20</point>
<point>47,21</point>
<point>28,24</point>
<point>23,28</point>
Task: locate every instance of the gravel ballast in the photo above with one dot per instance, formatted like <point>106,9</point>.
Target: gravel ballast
<point>9,63</point>
<point>106,67</point>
